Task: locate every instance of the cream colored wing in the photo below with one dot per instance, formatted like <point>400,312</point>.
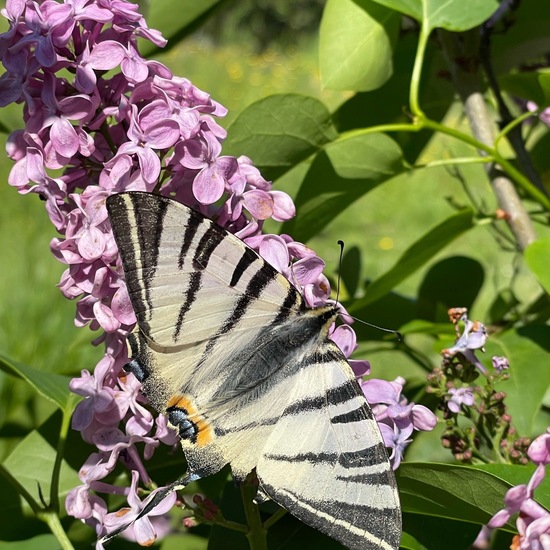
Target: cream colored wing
<point>205,303</point>
<point>226,349</point>
<point>325,461</point>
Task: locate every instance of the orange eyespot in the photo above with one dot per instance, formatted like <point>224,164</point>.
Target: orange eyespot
<point>205,433</point>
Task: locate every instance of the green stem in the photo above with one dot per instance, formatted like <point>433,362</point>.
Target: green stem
<point>52,519</point>
<point>507,166</point>
<point>274,518</point>
<point>228,524</point>
<point>414,91</point>
<point>511,125</point>
<point>519,178</point>
<point>65,424</point>
<point>466,138</point>
<point>453,162</point>
<point>257,534</point>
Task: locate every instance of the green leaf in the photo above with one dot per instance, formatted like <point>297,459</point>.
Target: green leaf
<point>516,474</point>
<point>449,491</point>
<point>54,387</point>
<point>31,463</point>
<point>533,85</point>
<point>356,44</point>
<point>40,542</point>
<point>280,131</point>
<point>417,255</point>
<point>350,270</point>
<point>188,541</point>
<point>345,171</point>
<point>536,256</point>
<point>176,19</point>
<point>451,281</point>
<point>435,533</point>
<point>526,349</point>
<point>526,40</point>
<point>453,15</point>
<point>410,543</point>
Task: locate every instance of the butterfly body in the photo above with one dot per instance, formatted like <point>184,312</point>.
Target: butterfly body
<point>248,376</point>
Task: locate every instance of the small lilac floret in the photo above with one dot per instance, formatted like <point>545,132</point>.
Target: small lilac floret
<point>459,397</point>
<point>473,338</point>
<point>500,364</point>
<point>399,417</point>
<point>146,529</point>
<point>539,450</point>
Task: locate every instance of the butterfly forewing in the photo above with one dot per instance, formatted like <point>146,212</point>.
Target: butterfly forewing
<point>247,375</point>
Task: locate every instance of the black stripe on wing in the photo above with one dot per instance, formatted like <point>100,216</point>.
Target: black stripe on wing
<point>341,520</point>
<point>191,229</point>
<point>144,214</point>
<point>293,302</point>
<point>333,396</point>
<point>247,259</point>
<point>356,415</point>
<point>259,281</point>
<point>369,456</point>
<point>208,243</point>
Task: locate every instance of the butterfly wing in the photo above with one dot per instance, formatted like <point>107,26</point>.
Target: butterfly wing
<point>226,349</point>
<point>325,460</point>
<point>204,301</point>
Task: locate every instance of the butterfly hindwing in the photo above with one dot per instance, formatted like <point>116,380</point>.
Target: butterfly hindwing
<point>225,347</point>
<point>325,461</point>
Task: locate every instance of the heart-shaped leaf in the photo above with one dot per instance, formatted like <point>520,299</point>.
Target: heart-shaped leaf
<point>280,131</point>
<point>356,44</point>
<point>453,15</point>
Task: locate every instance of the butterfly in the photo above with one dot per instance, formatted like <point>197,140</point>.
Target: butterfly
<point>246,374</point>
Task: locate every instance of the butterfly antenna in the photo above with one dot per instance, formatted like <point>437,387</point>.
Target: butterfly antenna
<point>398,335</point>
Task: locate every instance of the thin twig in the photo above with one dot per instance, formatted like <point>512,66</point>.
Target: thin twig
<point>468,85</point>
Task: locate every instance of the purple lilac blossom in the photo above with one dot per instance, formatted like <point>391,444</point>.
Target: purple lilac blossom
<point>123,123</point>
<point>533,522</point>
<point>395,415</point>
<point>473,338</point>
<point>500,364</point>
<point>458,397</point>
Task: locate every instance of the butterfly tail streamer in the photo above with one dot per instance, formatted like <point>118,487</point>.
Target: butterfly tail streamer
<point>156,499</point>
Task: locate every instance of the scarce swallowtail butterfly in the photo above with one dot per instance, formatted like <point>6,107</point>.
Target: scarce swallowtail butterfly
<point>226,349</point>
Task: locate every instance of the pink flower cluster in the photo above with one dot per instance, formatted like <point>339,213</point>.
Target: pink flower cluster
<point>100,119</point>
<point>533,522</point>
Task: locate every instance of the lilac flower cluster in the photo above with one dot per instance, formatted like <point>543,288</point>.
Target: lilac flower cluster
<point>481,404</point>
<point>138,127</point>
<point>533,522</point>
